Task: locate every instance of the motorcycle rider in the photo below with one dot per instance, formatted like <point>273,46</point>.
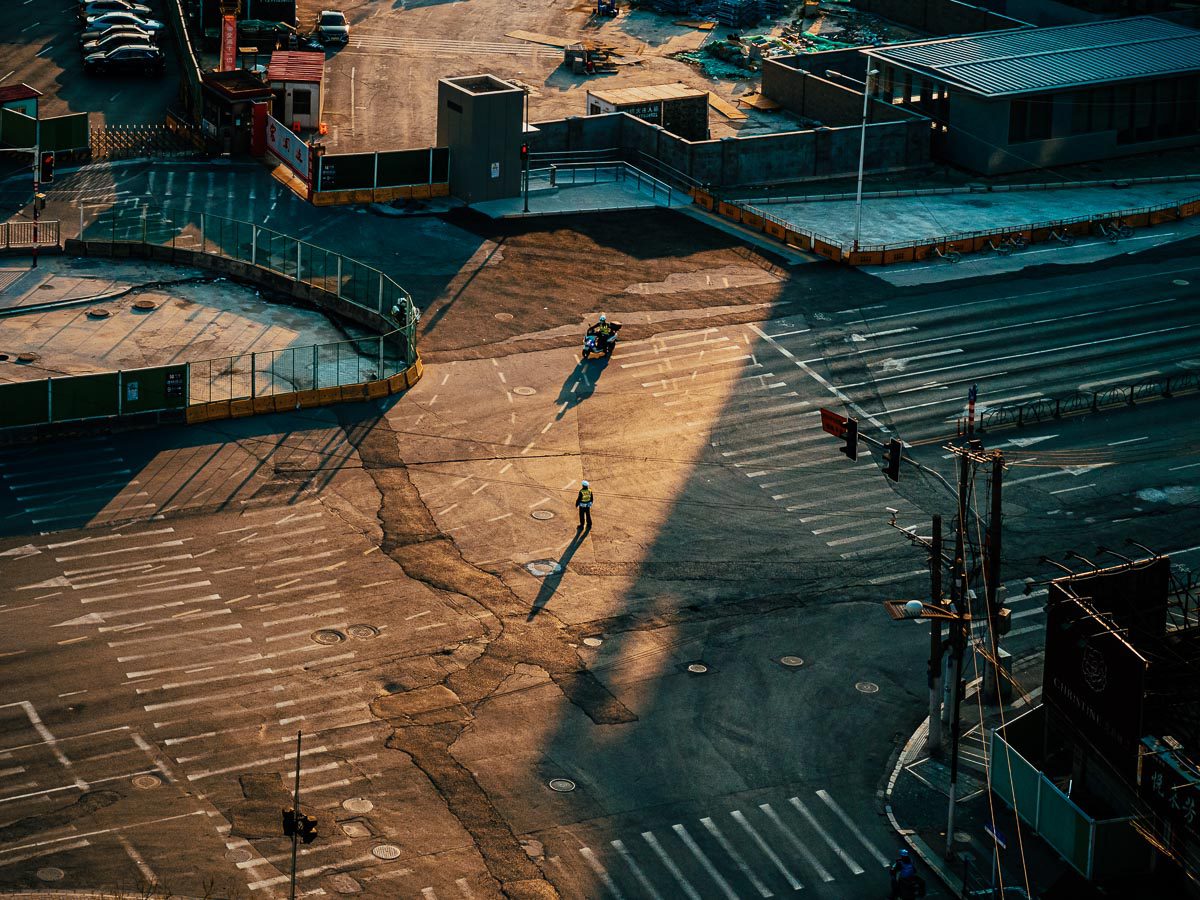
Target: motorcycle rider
<point>906,883</point>
<point>605,334</point>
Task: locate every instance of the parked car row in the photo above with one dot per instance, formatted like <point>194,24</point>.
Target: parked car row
<point>119,36</point>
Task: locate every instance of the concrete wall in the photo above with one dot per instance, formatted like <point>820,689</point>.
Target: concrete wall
<point>829,102</point>
<point>939,17</point>
<point>763,159</point>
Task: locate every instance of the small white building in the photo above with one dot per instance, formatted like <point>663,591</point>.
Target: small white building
<point>296,79</point>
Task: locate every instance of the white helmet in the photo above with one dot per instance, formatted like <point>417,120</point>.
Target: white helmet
<point>603,317</point>
<point>583,484</point>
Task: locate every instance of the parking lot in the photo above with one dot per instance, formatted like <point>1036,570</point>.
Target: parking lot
<point>41,49</point>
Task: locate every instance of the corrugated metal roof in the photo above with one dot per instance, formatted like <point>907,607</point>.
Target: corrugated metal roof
<point>1046,59</point>
<point>296,65</point>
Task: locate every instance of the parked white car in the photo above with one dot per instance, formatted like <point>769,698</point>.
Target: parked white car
<point>100,7</point>
<point>102,22</point>
<point>332,27</point>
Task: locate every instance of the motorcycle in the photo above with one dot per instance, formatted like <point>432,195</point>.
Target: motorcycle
<point>594,344</point>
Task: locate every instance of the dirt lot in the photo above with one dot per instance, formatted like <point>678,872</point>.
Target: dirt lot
<point>381,89</point>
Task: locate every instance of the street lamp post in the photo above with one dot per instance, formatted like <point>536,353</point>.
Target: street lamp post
<point>862,153</point>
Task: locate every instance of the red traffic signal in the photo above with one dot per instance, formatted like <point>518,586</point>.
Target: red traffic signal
<point>524,152</point>
<point>842,427</point>
<point>46,169</point>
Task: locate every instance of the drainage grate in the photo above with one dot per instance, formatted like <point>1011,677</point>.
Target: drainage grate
<point>328,636</point>
<point>238,855</point>
<point>386,851</point>
<point>358,805</point>
<point>362,632</point>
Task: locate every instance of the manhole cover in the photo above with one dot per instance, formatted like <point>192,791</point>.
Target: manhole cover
<point>362,632</point>
<point>355,829</point>
<point>542,567</point>
<point>27,357</point>
<point>344,884</point>
<point>386,851</point>
<point>504,317</point>
<point>1180,282</point>
<point>697,668</point>
<point>50,874</point>
<point>542,514</point>
<point>358,805</point>
<point>145,305</point>
<point>867,687</point>
<point>592,642</point>
<point>562,785</point>
<point>99,313</point>
<point>792,662</point>
<point>328,636</point>
<point>239,855</point>
<point>524,391</point>
<point>147,782</point>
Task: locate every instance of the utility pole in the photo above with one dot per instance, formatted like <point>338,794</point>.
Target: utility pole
<point>958,638</point>
<point>296,807</point>
<point>996,686</point>
<point>933,744</point>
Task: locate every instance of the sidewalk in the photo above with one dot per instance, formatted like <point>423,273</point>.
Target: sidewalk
<point>917,800</point>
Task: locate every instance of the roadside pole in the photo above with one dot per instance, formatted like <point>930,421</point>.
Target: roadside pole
<point>996,689</point>
<point>37,187</point>
<point>296,807</point>
<point>959,597</point>
<point>933,744</point>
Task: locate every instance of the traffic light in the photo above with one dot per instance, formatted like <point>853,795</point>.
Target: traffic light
<point>308,828</point>
<point>524,152</point>
<point>851,436</point>
<point>289,821</point>
<point>892,457</point>
<point>46,174</point>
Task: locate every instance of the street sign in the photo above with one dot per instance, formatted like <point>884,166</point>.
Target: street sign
<point>996,835</point>
<point>833,423</point>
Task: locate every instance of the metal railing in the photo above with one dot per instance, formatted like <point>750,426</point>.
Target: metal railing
<point>606,173</point>
<point>17,235</point>
<point>1030,412</point>
<point>270,372</point>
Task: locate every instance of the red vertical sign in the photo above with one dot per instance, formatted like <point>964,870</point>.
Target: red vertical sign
<point>258,133</point>
<point>228,43</point>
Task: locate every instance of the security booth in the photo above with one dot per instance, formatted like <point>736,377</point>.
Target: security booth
<point>296,79</point>
<point>227,102</point>
<point>678,108</point>
<point>20,97</point>
<point>481,120</point>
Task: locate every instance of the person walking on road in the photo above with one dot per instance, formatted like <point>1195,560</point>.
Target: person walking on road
<point>906,883</point>
<point>584,502</point>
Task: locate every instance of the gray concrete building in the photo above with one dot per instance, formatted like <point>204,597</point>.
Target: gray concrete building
<point>481,120</point>
<point>1008,101</point>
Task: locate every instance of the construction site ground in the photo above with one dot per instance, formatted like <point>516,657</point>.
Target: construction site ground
<point>197,316</point>
<point>381,89</point>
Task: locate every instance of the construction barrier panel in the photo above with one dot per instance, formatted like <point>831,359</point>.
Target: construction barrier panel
<point>797,239</point>
<point>749,218</point>
<point>730,211</point>
<point>24,403</point>
<point>85,397</point>
<point>829,251</point>
<point>901,254</point>
<point>775,230</point>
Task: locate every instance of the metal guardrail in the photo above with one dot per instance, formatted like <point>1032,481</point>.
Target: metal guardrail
<point>270,372</point>
<point>19,235</point>
<point>1042,409</point>
<point>606,172</point>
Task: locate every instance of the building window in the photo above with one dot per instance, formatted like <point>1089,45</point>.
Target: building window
<point>301,103</point>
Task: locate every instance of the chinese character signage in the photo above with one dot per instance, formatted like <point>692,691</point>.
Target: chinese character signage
<point>1170,787</point>
<point>228,43</point>
<point>288,147</point>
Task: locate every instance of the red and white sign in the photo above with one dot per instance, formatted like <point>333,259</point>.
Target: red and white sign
<point>286,145</point>
<point>228,43</point>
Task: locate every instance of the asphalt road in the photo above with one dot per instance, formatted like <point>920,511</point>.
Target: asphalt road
<point>403,581</point>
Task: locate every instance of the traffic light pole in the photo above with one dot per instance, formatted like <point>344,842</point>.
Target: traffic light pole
<point>37,188</point>
<point>933,744</point>
<point>296,807</point>
<point>995,687</point>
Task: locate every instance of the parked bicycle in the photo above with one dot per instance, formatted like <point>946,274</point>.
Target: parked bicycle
<point>950,254</point>
<point>1063,237</point>
<point>1114,230</point>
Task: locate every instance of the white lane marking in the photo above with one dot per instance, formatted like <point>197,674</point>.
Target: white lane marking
<point>347,865</point>
<point>684,884</point>
<point>107,537</point>
<point>316,615</point>
<point>138,860</point>
<point>465,889</point>
<point>158,638</point>
<point>153,590</point>
<point>888,579</point>
<point>642,880</point>
<point>854,829</point>
<point>1188,466</point>
<point>854,867</point>
<point>871,535</point>
<point>429,893</point>
<point>601,872</point>
<point>737,858</point>
<point>311,751</point>
<point>821,380</point>
<point>77,845</point>
<point>795,841</point>
<point>798,331</point>
<point>766,849</point>
<point>1135,440</point>
<point>48,739</point>
<point>69,787</point>
<point>175,543</point>
<point>1070,489</point>
<point>703,859</point>
<point>892,363</point>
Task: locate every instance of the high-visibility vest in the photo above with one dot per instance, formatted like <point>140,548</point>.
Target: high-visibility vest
<point>585,497</point>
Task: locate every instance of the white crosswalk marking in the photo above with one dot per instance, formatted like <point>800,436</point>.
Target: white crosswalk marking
<point>703,859</point>
<point>833,845</point>
<point>766,849</point>
<point>601,872</point>
<point>642,880</point>
<point>745,869</point>
<point>429,893</point>
<point>854,829</point>
<point>465,889</point>
<point>684,884</point>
